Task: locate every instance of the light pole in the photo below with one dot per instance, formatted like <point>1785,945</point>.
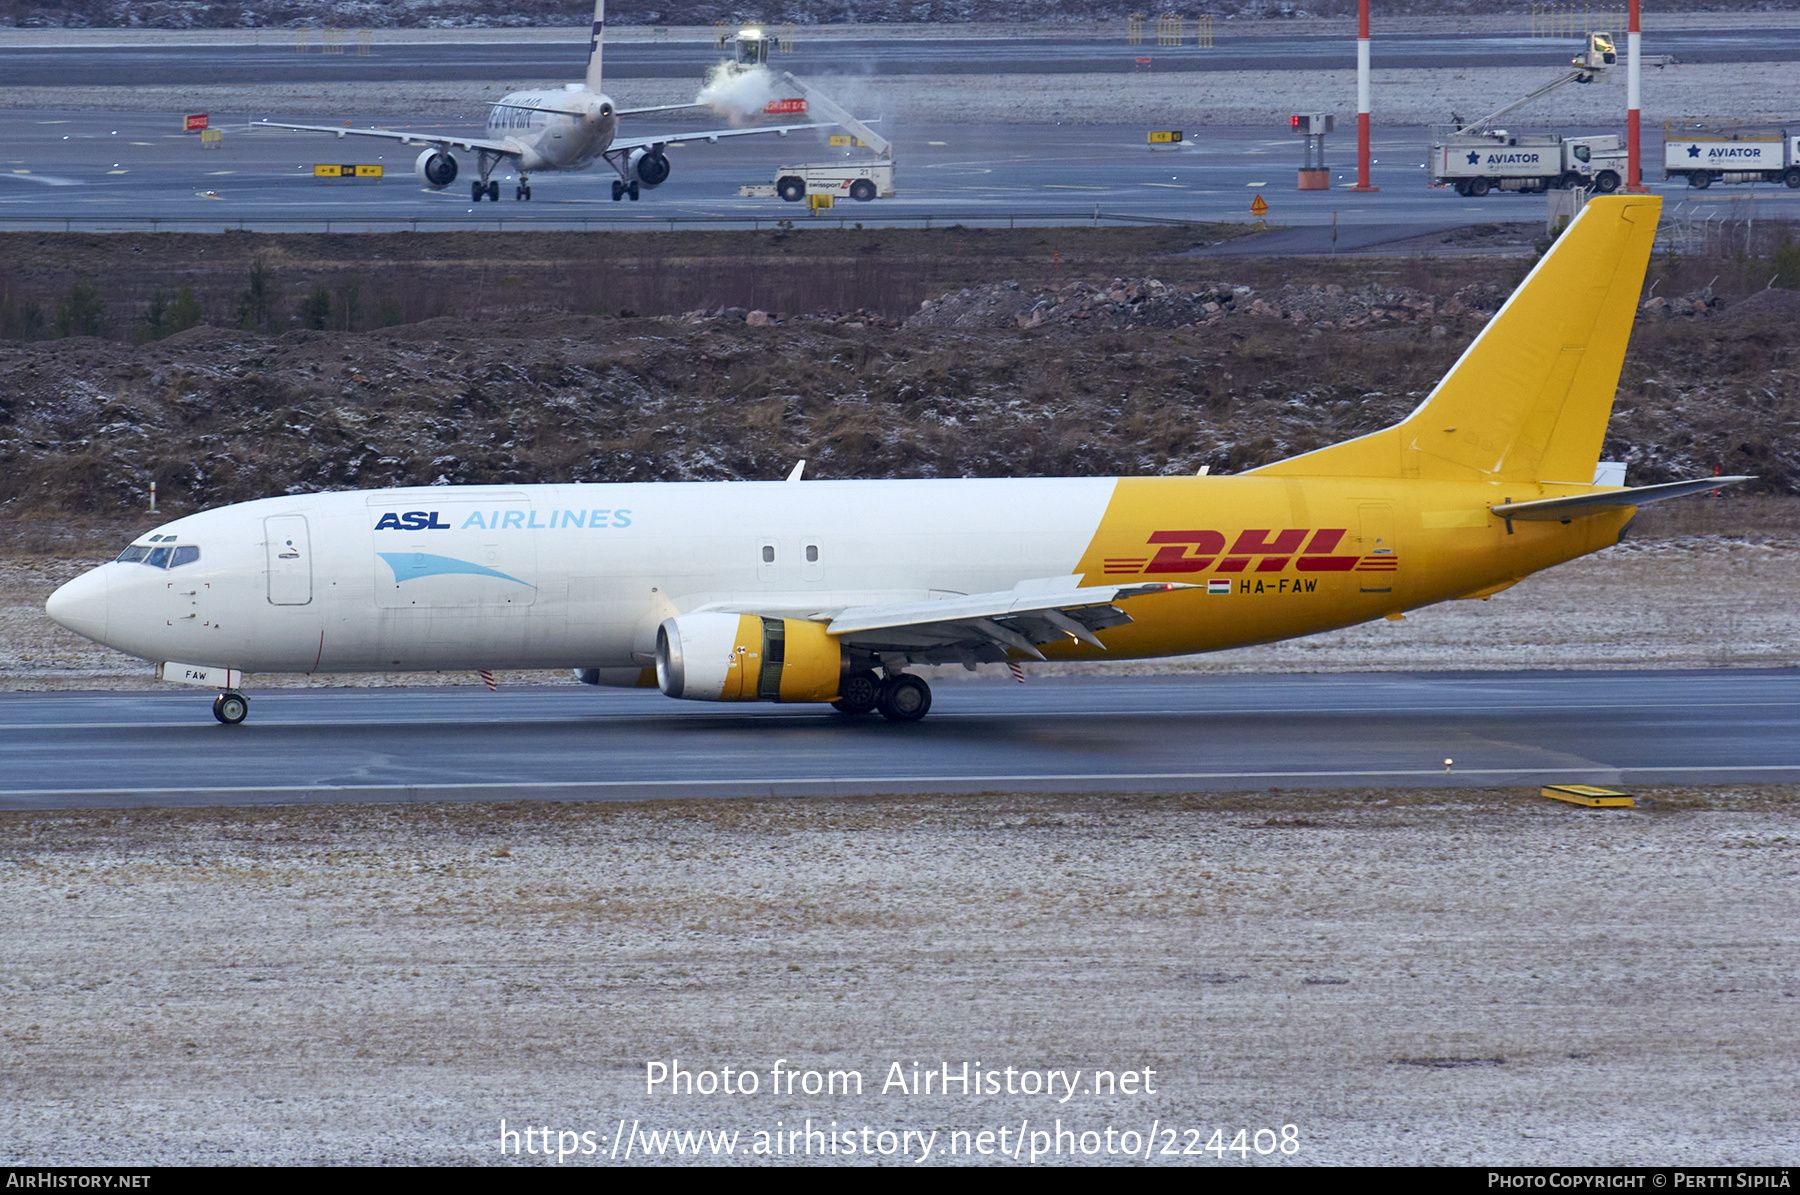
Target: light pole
<point>1362,96</point>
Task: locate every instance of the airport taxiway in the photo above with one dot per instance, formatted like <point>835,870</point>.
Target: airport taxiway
<point>91,171</point>
<point>1158,734</point>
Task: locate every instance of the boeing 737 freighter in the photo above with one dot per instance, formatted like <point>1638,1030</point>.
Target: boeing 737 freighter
<point>827,591</point>
<point>550,130</point>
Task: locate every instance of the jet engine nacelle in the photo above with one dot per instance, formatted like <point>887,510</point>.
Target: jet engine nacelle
<point>435,168</point>
<point>650,166</point>
<point>741,657</point>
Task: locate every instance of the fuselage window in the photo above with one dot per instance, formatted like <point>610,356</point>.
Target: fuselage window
<point>812,553</point>
<point>768,553</point>
<point>133,554</point>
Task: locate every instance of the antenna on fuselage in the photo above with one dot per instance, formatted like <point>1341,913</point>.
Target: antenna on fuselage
<point>593,67</point>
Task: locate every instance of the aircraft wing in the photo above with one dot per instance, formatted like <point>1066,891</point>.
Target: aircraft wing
<point>631,143</point>
<point>984,626</point>
<point>1577,505</point>
<point>505,148</point>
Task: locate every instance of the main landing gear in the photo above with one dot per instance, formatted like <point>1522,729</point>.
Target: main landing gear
<point>622,189</point>
<point>902,697</point>
<point>485,190</point>
<point>231,707</point>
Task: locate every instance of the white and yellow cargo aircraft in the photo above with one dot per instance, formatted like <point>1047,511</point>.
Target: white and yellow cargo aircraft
<point>537,131</point>
<point>826,591</point>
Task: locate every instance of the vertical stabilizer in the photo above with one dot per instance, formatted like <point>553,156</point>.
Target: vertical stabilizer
<point>593,69</point>
<point>1530,398</point>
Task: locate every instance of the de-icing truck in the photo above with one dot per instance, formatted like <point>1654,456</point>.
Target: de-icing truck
<point>1708,152</point>
<point>1495,160</point>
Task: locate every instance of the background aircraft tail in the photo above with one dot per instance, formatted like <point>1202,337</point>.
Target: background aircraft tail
<point>1530,398</point>
<point>593,68</point>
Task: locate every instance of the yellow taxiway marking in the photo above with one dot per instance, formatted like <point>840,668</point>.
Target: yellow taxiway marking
<point>1262,184</point>
<point>56,122</point>
<point>118,172</point>
<point>1171,186</point>
<point>221,172</point>
<point>20,170</point>
<point>937,143</point>
<point>1072,187</point>
<point>151,144</point>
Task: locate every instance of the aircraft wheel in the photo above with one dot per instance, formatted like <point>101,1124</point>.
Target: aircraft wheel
<point>527,194</point>
<point>618,190</point>
<point>859,694</point>
<point>905,698</point>
<point>862,190</point>
<point>1699,180</point>
<point>231,707</point>
<point>1477,188</point>
<point>493,191</point>
<point>476,191</point>
<point>632,190</point>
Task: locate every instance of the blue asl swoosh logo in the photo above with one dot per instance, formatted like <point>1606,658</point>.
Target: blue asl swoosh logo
<point>410,566</point>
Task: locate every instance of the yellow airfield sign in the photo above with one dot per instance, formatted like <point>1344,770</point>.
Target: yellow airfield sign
<point>1259,206</point>
<point>325,171</point>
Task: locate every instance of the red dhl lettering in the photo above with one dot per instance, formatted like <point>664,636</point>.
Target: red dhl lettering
<point>1269,550</point>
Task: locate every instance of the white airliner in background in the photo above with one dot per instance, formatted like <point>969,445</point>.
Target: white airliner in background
<point>551,130</point>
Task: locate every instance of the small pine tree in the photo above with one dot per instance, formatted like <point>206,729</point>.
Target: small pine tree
<point>83,313</point>
<point>315,309</point>
<point>156,314</point>
<point>256,306</point>
<point>183,313</point>
<point>1787,265</point>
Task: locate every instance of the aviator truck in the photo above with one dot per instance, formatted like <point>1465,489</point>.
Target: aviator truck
<point>1476,163</point>
<point>1705,153</point>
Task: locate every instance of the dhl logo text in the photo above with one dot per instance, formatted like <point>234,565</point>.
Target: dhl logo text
<point>1260,550</point>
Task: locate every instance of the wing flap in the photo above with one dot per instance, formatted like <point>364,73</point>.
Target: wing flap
<point>630,143</point>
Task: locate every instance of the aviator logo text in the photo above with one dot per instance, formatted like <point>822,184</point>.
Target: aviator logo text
<point>504,520</point>
<point>1270,551</point>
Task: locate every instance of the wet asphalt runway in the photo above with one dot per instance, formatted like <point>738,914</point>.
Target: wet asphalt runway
<point>1183,734</point>
<point>105,171</point>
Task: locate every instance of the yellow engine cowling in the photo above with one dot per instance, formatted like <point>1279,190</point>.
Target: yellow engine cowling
<point>742,657</point>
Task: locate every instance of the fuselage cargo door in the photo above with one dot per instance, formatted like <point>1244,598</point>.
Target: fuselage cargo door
<point>290,560</point>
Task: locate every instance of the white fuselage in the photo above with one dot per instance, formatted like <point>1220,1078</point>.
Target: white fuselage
<point>555,576</point>
<point>547,137</point>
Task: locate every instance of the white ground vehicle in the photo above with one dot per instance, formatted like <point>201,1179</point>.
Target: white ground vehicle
<point>853,178</point>
<point>1476,163</point>
<point>1708,152</point>
<point>843,180</point>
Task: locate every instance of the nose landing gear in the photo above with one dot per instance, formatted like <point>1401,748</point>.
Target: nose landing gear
<point>231,707</point>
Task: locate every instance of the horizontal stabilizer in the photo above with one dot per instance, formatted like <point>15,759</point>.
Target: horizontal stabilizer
<point>1578,505</point>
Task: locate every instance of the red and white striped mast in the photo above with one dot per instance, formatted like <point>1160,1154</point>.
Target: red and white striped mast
<point>1362,96</point>
<point>1634,177</point>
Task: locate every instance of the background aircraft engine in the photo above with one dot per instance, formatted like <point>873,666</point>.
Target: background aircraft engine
<point>741,657</point>
<point>435,168</point>
<point>650,166</point>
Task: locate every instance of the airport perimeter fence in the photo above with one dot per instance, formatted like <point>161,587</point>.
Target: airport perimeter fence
<point>554,223</point>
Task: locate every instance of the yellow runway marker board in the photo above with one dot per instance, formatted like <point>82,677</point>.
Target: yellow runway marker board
<point>1587,794</point>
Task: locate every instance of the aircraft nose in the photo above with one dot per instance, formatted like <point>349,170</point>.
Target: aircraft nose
<point>80,606</point>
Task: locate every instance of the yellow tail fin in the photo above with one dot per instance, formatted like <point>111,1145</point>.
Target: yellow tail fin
<point>1529,399</point>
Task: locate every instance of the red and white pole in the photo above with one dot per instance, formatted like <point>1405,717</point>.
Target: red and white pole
<point>1634,37</point>
<point>1362,97</point>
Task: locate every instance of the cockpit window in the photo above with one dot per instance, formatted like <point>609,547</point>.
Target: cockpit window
<point>158,558</point>
<point>163,557</point>
<point>185,554</point>
<point>133,554</point>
